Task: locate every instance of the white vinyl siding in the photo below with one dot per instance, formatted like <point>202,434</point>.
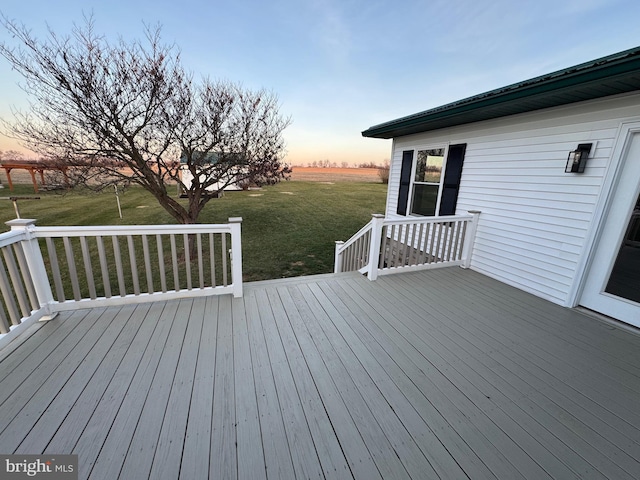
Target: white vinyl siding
<point>535,217</point>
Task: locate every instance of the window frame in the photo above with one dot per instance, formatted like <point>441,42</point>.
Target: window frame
<point>414,166</point>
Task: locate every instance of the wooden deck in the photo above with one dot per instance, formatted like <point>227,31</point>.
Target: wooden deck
<point>435,374</point>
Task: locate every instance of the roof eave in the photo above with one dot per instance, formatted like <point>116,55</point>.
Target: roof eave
<point>546,91</point>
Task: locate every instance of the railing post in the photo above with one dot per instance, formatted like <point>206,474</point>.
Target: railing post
<point>35,264</point>
<point>337,259</point>
<point>236,255</point>
<point>374,246</point>
<point>469,238</point>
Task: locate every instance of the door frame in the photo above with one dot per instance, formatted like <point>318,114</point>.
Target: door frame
<point>611,179</point>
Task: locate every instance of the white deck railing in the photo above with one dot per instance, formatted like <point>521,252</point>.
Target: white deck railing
<point>47,269</point>
<point>385,246</point>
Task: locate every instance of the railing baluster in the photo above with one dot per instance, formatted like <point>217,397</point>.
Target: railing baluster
<point>450,239</point>
<point>163,276</point>
<point>55,269</point>
<point>421,242</point>
<point>463,235</point>
<point>174,258</point>
<point>432,238</point>
<point>439,244</point>
<point>88,270</point>
<point>187,259</point>
<point>71,265</point>
<point>134,265</point>
<point>14,274</point>
<point>413,247</point>
<point>26,278</point>
<point>212,258</point>
<point>395,250</point>
<point>104,267</point>
<point>224,259</point>
<point>147,263</point>
<point>7,297</point>
<point>405,241</point>
<point>200,264</point>
<point>424,240</point>
<point>119,271</point>
<point>446,240</point>
<point>383,247</point>
<point>367,247</point>
<point>456,239</point>
<point>7,294</point>
<point>4,321</point>
<point>354,255</point>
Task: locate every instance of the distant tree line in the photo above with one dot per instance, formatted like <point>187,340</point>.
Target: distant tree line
<point>329,164</point>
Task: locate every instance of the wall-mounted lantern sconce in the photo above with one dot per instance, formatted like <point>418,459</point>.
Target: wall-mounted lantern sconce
<point>578,158</point>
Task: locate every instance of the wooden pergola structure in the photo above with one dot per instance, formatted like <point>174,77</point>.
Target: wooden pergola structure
<point>33,167</point>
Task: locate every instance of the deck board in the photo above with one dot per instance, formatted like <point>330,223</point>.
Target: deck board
<point>328,448</point>
<point>437,374</point>
<point>277,454</point>
<point>85,383</point>
<point>350,416</point>
<point>491,390</point>
<point>436,387</point>
<point>340,362</point>
<point>114,423</point>
<point>168,453</point>
<point>197,440</point>
<point>223,460</point>
<point>247,418</point>
<point>304,456</point>
<point>564,408</point>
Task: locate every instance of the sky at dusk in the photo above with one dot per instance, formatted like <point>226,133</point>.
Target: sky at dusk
<point>341,66</point>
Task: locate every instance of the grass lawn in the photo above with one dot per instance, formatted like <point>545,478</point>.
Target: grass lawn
<point>288,229</point>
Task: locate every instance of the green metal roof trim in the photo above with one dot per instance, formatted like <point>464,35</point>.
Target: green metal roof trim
<point>611,75</point>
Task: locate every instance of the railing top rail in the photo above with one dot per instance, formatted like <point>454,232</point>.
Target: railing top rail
<point>445,218</point>
<point>11,237</point>
<point>74,231</point>
<point>354,237</point>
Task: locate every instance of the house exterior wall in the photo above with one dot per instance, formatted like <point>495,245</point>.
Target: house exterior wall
<point>536,219</point>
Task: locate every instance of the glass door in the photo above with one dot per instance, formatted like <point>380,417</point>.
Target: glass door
<point>624,280</point>
<point>612,284</point>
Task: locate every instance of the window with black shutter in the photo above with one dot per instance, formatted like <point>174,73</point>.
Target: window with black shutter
<point>424,189</point>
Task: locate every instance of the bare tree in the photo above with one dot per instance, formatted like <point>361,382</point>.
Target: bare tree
<point>383,171</point>
<point>128,112</point>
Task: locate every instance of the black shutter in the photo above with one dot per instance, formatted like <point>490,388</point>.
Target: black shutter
<point>452,174</point>
<point>405,181</point>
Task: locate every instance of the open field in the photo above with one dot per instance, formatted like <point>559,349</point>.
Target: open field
<point>288,229</point>
<point>311,174</point>
<point>300,174</point>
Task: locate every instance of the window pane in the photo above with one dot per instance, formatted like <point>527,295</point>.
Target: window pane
<point>425,198</point>
<point>429,165</point>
